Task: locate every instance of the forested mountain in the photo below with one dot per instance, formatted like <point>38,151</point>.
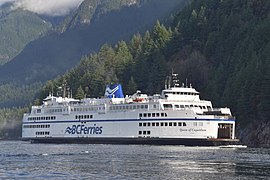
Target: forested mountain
<point>222,47</point>
<point>57,52</point>
<point>17,28</point>
<point>91,10</point>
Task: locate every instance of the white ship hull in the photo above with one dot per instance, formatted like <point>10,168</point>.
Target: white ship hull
<point>179,128</point>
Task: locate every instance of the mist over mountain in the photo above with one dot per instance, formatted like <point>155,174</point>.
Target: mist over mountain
<point>45,7</point>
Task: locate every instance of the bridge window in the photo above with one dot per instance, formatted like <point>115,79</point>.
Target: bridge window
<point>167,106</point>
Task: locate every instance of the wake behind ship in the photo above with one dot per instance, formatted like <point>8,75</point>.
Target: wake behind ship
<point>177,116</point>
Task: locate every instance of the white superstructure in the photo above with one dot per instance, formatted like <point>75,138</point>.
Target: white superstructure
<point>177,116</point>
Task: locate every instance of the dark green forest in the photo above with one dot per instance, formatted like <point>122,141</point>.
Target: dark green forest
<point>10,122</point>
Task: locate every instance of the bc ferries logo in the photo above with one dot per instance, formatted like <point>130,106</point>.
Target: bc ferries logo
<point>82,129</point>
<point>114,91</point>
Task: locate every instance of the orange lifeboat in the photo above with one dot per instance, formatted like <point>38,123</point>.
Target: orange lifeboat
<point>138,99</point>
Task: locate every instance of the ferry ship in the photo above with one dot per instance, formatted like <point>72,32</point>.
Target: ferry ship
<point>177,116</point>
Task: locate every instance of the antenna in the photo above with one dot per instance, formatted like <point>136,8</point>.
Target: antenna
<point>52,91</point>
<point>170,81</point>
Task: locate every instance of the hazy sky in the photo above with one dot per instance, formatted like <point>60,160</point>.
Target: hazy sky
<point>48,7</point>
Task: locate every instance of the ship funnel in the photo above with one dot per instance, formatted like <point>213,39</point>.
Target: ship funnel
<point>114,91</point>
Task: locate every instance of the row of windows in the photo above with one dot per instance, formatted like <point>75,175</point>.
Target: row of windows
<point>55,110</point>
<point>84,109</point>
<point>144,132</point>
<point>41,118</point>
<point>37,126</point>
<point>181,106</point>
<point>72,109</point>
<point>153,115</point>
<point>83,116</point>
<point>182,93</point>
<point>42,133</point>
<point>126,107</point>
<point>163,124</point>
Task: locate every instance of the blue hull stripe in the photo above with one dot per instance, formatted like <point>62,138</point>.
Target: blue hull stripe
<point>128,120</point>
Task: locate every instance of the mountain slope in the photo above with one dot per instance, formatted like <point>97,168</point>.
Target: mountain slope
<point>18,28</point>
<point>55,53</point>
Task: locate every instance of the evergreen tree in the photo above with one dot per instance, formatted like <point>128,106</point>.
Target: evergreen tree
<point>148,44</point>
<point>161,36</point>
<point>136,45</point>
<point>131,87</point>
<point>79,93</point>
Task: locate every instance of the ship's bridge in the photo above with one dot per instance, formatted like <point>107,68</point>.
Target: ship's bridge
<point>181,93</point>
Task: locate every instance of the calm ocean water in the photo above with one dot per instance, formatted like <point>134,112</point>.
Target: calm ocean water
<point>23,160</point>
